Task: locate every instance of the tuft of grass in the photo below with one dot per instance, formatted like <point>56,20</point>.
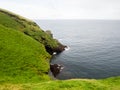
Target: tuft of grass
<point>22,59</point>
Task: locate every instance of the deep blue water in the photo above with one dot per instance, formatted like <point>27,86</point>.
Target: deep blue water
<point>94,47</point>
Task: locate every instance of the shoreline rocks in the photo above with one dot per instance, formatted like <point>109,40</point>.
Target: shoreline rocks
<point>56,69</point>
<point>57,49</point>
<point>60,48</point>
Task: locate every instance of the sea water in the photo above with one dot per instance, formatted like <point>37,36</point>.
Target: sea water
<point>93,47</point>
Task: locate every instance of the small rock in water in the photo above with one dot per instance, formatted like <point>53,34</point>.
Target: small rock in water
<point>56,69</point>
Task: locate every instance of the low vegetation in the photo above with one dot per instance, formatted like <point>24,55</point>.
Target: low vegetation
<point>24,61</point>
<point>73,84</point>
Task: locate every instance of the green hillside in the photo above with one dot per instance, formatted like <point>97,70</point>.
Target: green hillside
<point>31,29</point>
<point>23,46</point>
<point>24,59</point>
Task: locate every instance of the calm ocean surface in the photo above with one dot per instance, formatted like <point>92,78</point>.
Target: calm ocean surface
<point>94,47</point>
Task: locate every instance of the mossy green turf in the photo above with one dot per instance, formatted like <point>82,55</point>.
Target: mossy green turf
<point>24,62</point>
<point>9,22</point>
<point>22,58</point>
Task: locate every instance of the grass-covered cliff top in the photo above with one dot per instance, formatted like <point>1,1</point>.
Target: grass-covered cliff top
<point>24,61</point>
<point>11,20</point>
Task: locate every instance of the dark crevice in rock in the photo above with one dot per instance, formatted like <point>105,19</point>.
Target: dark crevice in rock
<point>49,50</point>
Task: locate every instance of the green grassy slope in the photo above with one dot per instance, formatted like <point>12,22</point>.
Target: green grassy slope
<point>75,84</point>
<point>26,26</point>
<point>22,59</point>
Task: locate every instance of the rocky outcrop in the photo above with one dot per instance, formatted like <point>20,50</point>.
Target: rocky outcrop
<point>56,69</point>
<point>57,50</point>
<point>60,48</point>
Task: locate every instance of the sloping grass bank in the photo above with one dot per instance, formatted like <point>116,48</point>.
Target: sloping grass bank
<point>22,59</point>
<point>23,55</point>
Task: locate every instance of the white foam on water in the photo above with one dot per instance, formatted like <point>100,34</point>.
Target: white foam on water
<point>67,48</point>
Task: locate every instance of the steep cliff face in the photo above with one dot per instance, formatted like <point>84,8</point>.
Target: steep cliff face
<point>24,49</point>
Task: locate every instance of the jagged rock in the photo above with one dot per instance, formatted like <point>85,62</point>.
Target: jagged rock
<point>60,48</point>
<point>56,69</point>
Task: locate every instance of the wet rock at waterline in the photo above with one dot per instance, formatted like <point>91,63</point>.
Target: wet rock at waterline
<point>58,49</point>
<point>56,69</point>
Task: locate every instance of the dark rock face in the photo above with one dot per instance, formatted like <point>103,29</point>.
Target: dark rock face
<point>58,49</point>
<point>56,69</point>
<point>49,50</point>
